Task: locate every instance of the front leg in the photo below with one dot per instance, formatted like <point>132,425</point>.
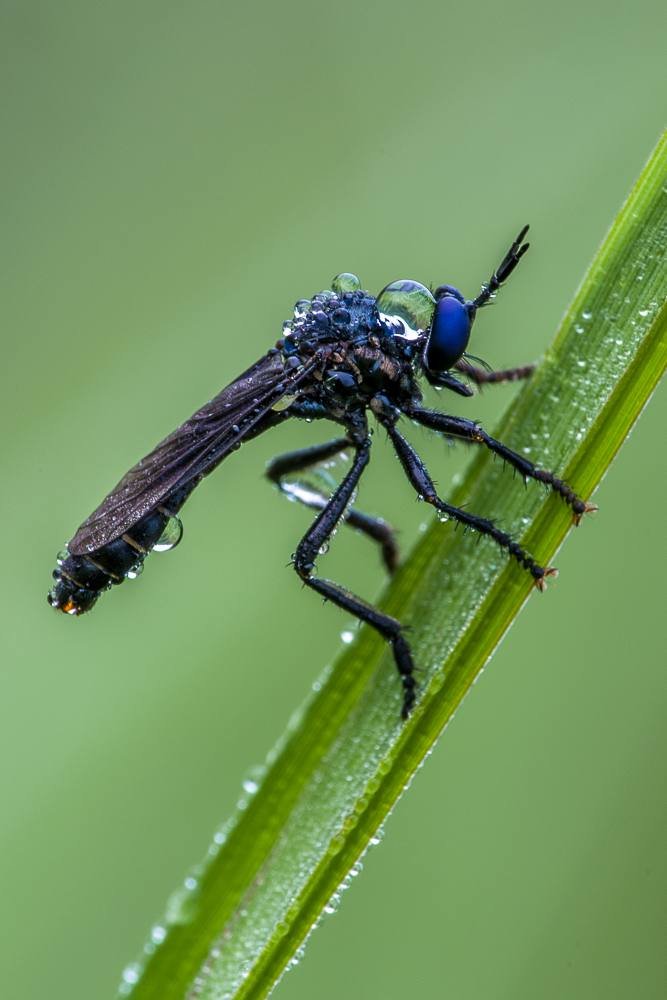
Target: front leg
<point>500,377</point>
<point>421,481</point>
<point>317,538</point>
<point>470,431</point>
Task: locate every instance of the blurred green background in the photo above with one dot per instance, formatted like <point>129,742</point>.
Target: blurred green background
<point>175,176</point>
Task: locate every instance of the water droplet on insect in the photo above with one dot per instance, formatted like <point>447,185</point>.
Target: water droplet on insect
<point>136,571</point>
<point>347,637</point>
<point>171,535</point>
<point>345,282</point>
<point>62,556</point>
<point>323,549</point>
<point>283,403</point>
<point>410,301</point>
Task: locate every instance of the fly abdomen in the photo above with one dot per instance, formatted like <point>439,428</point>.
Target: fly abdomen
<point>78,584</point>
<point>81,578</point>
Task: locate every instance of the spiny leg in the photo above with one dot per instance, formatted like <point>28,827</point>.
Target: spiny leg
<point>416,472</point>
<point>470,431</point>
<point>316,538</point>
<point>500,377</point>
<point>296,461</point>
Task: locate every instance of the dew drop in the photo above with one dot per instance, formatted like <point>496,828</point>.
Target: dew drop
<point>136,571</point>
<point>62,556</point>
<point>347,637</point>
<point>171,535</point>
<point>345,282</point>
<point>410,301</point>
<point>253,779</point>
<point>131,973</point>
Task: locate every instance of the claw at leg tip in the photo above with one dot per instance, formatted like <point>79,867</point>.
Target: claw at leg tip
<point>589,508</point>
<point>541,581</point>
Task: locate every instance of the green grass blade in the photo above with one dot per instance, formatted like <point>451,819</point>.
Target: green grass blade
<point>346,758</point>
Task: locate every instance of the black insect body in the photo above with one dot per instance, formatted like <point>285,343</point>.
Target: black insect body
<point>345,353</point>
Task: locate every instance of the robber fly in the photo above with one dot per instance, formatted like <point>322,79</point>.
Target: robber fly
<point>344,353</point>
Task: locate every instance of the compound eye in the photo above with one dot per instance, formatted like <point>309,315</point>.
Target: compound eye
<point>449,336</point>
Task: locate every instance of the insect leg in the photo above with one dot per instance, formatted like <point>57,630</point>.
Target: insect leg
<point>416,472</point>
<point>472,432</point>
<point>481,377</point>
<point>296,461</point>
<point>304,558</point>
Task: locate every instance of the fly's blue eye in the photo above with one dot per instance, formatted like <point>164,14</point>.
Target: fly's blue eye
<point>450,333</point>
